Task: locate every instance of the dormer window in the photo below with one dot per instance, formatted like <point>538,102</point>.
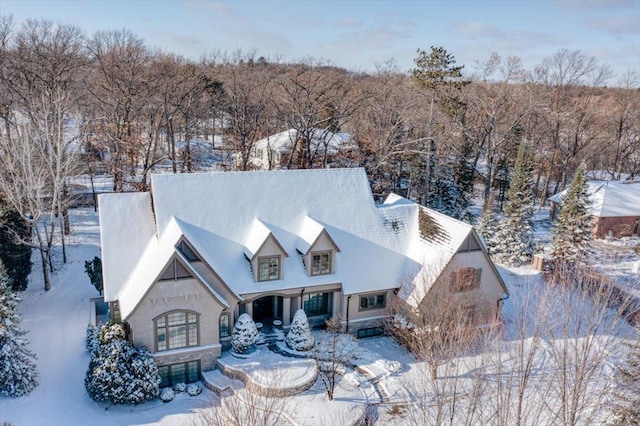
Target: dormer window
<point>321,263</point>
<point>269,268</point>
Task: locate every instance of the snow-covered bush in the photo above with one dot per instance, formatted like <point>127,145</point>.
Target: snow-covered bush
<point>18,372</point>
<point>119,373</point>
<point>194,390</point>
<point>111,331</point>
<point>299,337</point>
<point>389,365</point>
<point>245,334</point>
<point>179,387</point>
<point>91,342</point>
<point>167,395</point>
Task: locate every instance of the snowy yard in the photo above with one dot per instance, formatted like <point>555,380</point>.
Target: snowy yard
<point>56,321</point>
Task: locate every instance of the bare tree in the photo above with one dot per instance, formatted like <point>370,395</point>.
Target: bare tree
<point>119,88</point>
<point>314,100</point>
<point>244,407</point>
<point>333,352</point>
<point>44,67</point>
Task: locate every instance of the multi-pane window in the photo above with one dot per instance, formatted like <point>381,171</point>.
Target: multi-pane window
<point>317,303</point>
<point>184,372</point>
<point>370,332</point>
<point>176,330</point>
<point>321,263</point>
<point>224,325</point>
<point>465,279</point>
<point>374,301</point>
<point>269,268</point>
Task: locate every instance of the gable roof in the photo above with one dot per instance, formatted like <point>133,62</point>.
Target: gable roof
<point>610,198</point>
<point>226,216</point>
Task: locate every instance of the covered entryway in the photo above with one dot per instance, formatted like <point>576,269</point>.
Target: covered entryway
<point>267,308</point>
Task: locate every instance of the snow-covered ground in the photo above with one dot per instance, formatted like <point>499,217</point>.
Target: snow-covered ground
<point>56,321</point>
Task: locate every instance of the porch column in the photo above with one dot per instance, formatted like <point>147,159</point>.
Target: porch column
<point>336,308</point>
<point>249,308</point>
<point>286,311</point>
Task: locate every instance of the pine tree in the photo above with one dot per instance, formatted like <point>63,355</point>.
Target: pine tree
<point>514,235</point>
<point>572,231</point>
<point>444,193</point>
<point>245,334</point>
<point>487,227</point>
<point>18,373</point>
<point>626,407</point>
<point>299,337</point>
<point>15,256</point>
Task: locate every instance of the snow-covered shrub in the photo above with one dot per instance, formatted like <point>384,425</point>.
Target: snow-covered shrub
<point>119,373</point>
<point>91,342</point>
<point>167,395</point>
<point>111,331</point>
<point>194,389</point>
<point>18,371</point>
<point>245,334</point>
<point>299,337</point>
<point>179,387</point>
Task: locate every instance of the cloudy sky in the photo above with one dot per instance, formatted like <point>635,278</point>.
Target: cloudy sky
<point>359,34</point>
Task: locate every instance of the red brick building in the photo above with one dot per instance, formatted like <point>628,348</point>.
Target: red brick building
<point>615,207</point>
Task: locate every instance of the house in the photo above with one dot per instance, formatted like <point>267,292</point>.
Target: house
<point>615,207</point>
<point>183,261</point>
<point>274,152</point>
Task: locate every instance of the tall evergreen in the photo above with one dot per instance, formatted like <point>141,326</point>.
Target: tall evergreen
<point>18,372</point>
<point>572,230</point>
<point>626,407</point>
<point>15,256</point>
<point>487,227</point>
<point>514,236</point>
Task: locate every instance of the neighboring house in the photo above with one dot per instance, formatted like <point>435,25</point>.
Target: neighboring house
<point>615,207</point>
<point>274,152</point>
<point>183,261</point>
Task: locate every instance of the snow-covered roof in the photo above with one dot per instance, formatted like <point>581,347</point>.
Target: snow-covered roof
<point>440,237</point>
<point>309,232</point>
<point>126,229</point>
<point>227,217</point>
<point>256,236</point>
<point>610,198</point>
<point>283,142</point>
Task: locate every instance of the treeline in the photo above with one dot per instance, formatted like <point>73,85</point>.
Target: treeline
<point>427,133</point>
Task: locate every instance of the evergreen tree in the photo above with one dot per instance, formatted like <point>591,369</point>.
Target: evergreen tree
<point>93,269</point>
<point>514,235</point>
<point>120,373</point>
<point>487,227</point>
<point>626,407</point>
<point>299,337</point>
<point>15,256</point>
<point>444,194</point>
<point>572,230</point>
<point>245,334</point>
<point>18,372</point>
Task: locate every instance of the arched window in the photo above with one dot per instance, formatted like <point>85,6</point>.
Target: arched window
<point>225,322</point>
<point>177,329</point>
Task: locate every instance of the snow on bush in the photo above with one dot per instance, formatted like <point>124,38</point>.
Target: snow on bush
<point>179,387</point>
<point>18,371</point>
<point>194,390</point>
<point>167,395</point>
<point>299,337</point>
<point>91,342</point>
<point>119,373</point>
<point>245,334</point>
<point>110,332</point>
